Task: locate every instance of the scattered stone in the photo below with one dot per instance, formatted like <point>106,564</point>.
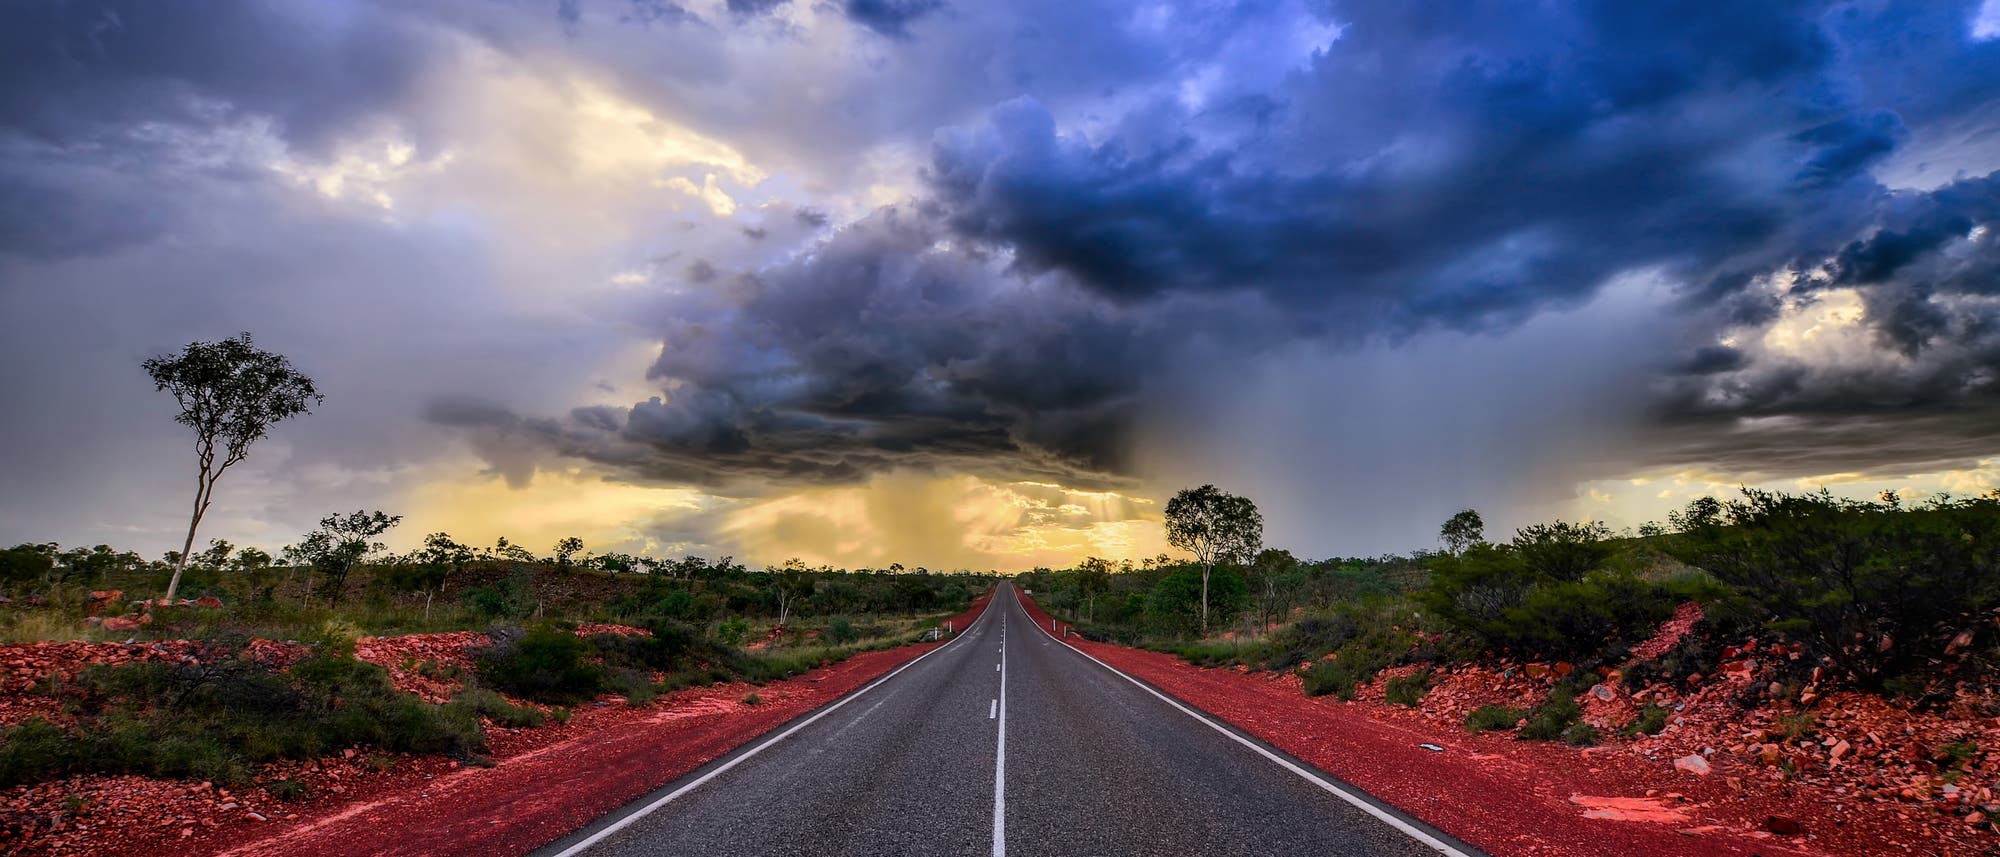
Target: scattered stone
<point>1783,826</point>
<point>1693,764</point>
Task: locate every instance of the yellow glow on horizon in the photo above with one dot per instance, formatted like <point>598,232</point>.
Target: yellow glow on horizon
<point>946,522</point>
<point>606,515</point>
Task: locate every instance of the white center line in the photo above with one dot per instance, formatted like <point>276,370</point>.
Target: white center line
<point>993,709</point>
<point>1000,750</point>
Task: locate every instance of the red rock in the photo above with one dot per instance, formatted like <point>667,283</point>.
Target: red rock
<point>121,623</point>
<point>1783,826</point>
<point>1693,764</point>
<point>1963,639</point>
<point>208,601</point>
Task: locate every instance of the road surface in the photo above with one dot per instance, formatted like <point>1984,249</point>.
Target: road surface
<point>1005,741</point>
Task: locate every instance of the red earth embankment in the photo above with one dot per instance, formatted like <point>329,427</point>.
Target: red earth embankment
<point>1504,796</point>
<point>547,781</point>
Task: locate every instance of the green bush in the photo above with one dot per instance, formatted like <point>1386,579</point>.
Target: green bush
<point>1652,720</point>
<point>1550,720</point>
<point>840,632</point>
<point>1408,690</point>
<point>1874,586</point>
<point>548,664</point>
<point>213,717</point>
<point>1580,735</point>
<point>732,630</point>
<point>1493,718</point>
<point>482,703</point>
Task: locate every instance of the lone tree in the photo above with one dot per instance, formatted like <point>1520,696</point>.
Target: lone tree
<point>230,393</point>
<point>1213,526</point>
<point>1462,531</point>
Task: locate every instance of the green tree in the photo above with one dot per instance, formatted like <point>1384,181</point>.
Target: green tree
<point>1275,580</point>
<point>92,564</point>
<point>503,549</point>
<point>230,392</point>
<point>24,563</point>
<point>1093,578</point>
<point>1562,550</point>
<point>566,550</point>
<point>1214,526</point>
<point>255,567</point>
<point>789,583</point>
<point>341,543</point>
<point>1462,531</point>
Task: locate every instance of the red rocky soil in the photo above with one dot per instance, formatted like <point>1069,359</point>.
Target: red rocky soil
<point>546,781</point>
<point>1864,780</point>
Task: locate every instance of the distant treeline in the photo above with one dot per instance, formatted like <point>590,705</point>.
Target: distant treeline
<point>1884,594</point>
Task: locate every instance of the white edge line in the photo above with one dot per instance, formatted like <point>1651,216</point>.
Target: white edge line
<point>1379,813</point>
<point>648,809</point>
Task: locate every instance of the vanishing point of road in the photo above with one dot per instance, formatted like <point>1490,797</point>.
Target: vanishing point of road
<point>1006,741</point>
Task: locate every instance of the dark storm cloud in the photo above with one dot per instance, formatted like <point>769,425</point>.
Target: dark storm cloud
<point>1455,166</point>
<point>1466,166</point>
<point>886,347</point>
<point>890,18</point>
<point>1449,167</point>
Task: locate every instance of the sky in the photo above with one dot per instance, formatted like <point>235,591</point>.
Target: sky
<point>980,285</point>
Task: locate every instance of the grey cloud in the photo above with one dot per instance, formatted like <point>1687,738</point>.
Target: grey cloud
<point>890,17</point>
<point>97,67</point>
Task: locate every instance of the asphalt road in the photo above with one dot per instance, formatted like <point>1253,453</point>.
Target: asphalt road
<point>1005,741</point>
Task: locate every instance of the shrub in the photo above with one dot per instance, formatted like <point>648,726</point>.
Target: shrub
<point>732,630</point>
<point>1652,720</point>
<point>214,716</point>
<point>34,749</point>
<point>1408,690</point>
<point>1876,587</point>
<point>840,631</point>
<point>482,703</point>
<point>286,790</point>
<point>753,699</point>
<point>1310,639</point>
<point>1580,734</point>
<point>548,664</point>
<point>1550,720</point>
<point>1492,718</point>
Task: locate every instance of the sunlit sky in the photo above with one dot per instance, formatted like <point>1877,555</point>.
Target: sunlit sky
<point>979,285</point>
